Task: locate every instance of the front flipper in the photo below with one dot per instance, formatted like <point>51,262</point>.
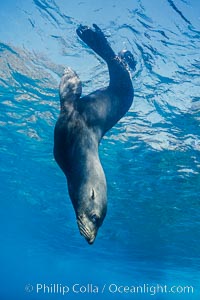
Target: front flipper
<point>96,40</point>
<point>70,88</point>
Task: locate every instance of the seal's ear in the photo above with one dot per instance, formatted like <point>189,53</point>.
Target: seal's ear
<point>93,195</point>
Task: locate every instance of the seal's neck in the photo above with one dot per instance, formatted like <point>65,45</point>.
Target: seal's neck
<point>86,167</point>
<point>87,174</point>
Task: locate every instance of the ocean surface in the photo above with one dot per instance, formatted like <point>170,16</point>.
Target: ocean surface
<point>149,244</point>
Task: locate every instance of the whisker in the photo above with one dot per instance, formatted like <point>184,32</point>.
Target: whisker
<point>83,229</point>
<point>81,223</point>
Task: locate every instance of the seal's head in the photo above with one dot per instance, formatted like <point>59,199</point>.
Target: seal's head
<point>91,213</point>
<point>88,191</point>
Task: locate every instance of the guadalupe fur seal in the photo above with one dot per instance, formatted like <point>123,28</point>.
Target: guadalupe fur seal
<point>81,125</point>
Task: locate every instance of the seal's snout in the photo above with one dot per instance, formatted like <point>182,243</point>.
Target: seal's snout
<point>91,240</point>
<point>88,233</point>
<point>90,237</point>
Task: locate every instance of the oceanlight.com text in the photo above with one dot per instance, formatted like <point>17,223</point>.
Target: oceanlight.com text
<point>112,288</point>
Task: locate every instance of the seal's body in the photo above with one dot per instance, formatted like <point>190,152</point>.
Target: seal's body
<point>81,125</point>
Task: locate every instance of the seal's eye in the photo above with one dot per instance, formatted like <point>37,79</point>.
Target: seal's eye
<point>94,219</point>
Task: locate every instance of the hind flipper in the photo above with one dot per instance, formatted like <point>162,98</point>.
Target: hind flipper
<point>96,40</point>
<point>128,58</point>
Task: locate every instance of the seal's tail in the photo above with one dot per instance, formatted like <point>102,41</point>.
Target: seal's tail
<point>128,58</point>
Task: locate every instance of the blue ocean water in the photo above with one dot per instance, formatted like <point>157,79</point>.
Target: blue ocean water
<point>151,158</point>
